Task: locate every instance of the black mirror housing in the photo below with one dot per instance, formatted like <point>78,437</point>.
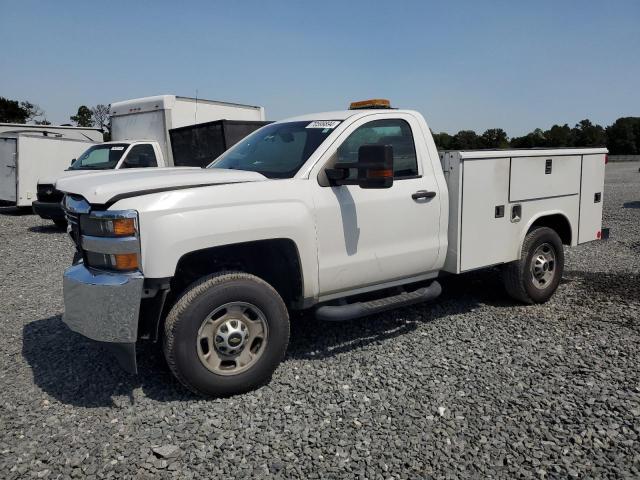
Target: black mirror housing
<point>374,166</point>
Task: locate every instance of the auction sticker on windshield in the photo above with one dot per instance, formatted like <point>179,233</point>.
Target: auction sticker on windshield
<point>324,124</point>
<point>117,148</point>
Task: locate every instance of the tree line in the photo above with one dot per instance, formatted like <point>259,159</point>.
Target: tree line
<point>622,137</point>
<point>13,111</point>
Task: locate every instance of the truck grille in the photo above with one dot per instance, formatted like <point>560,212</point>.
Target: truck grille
<point>48,193</point>
<point>73,221</point>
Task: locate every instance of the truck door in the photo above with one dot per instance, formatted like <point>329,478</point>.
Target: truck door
<point>142,155</point>
<point>373,236</point>
<point>8,169</point>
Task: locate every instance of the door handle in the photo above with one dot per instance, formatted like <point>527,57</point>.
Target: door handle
<point>423,194</point>
<point>516,213</point>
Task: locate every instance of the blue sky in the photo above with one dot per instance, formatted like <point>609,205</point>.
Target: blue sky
<point>463,64</point>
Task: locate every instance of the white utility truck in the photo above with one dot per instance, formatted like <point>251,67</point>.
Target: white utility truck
<point>348,213</point>
<point>159,131</point>
<point>30,151</point>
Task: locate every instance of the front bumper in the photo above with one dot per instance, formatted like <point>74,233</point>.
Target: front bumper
<point>105,307</point>
<point>48,210</point>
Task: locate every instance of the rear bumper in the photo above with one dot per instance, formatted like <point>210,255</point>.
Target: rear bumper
<point>104,307</point>
<point>48,210</point>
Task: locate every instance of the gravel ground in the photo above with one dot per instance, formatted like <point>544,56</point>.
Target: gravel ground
<point>470,386</point>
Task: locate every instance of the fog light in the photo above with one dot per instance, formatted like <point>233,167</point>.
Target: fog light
<point>126,261</point>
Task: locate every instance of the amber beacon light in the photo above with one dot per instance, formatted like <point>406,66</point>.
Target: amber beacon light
<point>372,103</point>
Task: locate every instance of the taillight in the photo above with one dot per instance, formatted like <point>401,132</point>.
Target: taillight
<point>599,234</point>
<point>606,158</point>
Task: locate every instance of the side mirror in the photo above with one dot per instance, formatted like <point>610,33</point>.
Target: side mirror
<point>73,160</point>
<point>374,165</point>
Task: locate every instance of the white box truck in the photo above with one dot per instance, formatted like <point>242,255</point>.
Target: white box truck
<point>30,152</point>
<point>347,213</point>
<point>151,118</point>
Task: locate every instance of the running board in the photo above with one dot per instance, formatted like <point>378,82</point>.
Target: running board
<point>340,313</point>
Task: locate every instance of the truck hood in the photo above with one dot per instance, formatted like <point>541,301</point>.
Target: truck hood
<point>67,173</point>
<point>109,186</point>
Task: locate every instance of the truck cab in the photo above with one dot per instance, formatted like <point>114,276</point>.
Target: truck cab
<point>114,155</point>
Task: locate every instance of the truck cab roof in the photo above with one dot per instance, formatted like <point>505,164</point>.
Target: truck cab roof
<point>114,142</point>
<point>342,114</point>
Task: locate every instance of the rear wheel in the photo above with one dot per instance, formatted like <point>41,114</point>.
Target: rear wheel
<point>226,335</point>
<point>536,275</point>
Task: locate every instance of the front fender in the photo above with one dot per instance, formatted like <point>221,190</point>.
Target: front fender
<point>175,223</point>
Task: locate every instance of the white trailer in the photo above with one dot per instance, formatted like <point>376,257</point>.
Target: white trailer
<point>151,118</point>
<point>27,156</point>
<point>59,131</point>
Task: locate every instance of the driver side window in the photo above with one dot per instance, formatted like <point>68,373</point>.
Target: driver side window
<point>394,132</point>
<point>141,156</point>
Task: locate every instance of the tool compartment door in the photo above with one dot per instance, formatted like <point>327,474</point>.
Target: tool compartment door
<point>487,233</point>
<point>591,193</point>
<point>8,169</point>
<point>544,177</point>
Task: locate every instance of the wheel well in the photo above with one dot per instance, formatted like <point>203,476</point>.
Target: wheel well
<point>557,222</point>
<point>276,261</point>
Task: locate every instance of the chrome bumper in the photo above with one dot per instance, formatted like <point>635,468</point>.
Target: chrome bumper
<point>102,306</point>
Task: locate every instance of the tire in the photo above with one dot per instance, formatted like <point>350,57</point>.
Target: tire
<point>526,279</point>
<point>190,334</point>
<point>61,223</point>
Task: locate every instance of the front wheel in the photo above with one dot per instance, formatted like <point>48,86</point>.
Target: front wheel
<point>536,275</point>
<point>226,334</point>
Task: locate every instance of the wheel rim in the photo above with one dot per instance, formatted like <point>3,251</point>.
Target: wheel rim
<point>543,266</point>
<point>232,338</point>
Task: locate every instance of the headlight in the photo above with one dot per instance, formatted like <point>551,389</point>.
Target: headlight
<point>110,224</point>
<point>110,240</point>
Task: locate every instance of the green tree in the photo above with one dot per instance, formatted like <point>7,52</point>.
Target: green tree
<point>443,140</point>
<point>623,136</point>
<point>586,134</point>
<point>535,139</point>
<point>559,136</point>
<point>33,110</point>
<point>494,138</point>
<point>466,140</point>
<point>12,111</point>
<point>83,118</point>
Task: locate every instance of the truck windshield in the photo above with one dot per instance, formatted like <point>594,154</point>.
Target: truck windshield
<point>277,150</point>
<point>100,157</point>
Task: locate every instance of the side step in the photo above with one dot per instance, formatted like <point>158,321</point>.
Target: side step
<point>340,313</point>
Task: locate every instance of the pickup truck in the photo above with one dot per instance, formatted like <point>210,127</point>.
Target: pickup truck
<point>103,156</point>
<point>344,213</point>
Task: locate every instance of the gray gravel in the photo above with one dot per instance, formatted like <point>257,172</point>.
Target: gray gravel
<point>470,386</point>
